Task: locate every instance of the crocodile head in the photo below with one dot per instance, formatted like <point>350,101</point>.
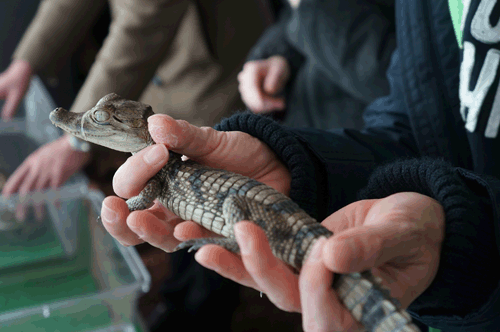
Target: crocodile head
<point>114,122</point>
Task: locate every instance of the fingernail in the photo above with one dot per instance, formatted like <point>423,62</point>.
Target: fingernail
<point>243,239</point>
<point>161,135</point>
<point>155,155</point>
<point>316,251</point>
<point>158,132</point>
<point>107,214</point>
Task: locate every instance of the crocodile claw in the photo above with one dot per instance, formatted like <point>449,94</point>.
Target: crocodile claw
<point>191,244</point>
<point>195,244</point>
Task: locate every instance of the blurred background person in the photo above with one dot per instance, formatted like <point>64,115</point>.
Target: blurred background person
<point>321,63</point>
<point>179,56</point>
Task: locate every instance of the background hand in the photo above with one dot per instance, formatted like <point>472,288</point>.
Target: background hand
<point>294,3</point>
<point>49,166</point>
<point>399,237</point>
<point>13,85</point>
<point>234,151</point>
<point>260,81</point>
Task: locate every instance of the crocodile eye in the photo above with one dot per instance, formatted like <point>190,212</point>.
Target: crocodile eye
<point>137,123</point>
<point>101,116</point>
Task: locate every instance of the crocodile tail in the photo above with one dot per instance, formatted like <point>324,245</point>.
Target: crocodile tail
<point>372,305</point>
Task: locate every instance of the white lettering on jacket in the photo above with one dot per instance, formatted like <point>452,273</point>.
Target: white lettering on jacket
<point>481,28</point>
<point>473,100</point>
<point>465,11</point>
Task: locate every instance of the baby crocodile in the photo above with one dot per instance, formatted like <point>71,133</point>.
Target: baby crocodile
<point>217,199</point>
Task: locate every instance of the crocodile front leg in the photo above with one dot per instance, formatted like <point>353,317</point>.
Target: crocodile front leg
<point>146,198</point>
<point>234,209</point>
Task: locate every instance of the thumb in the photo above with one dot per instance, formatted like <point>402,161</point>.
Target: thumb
<point>182,137</point>
<point>362,248</point>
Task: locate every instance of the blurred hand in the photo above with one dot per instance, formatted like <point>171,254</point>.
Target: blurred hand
<point>260,82</point>
<point>234,151</point>
<point>49,166</point>
<point>13,85</point>
<point>398,237</point>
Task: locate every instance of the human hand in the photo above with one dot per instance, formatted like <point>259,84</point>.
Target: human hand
<point>234,151</point>
<point>49,166</point>
<point>398,237</point>
<point>261,80</point>
<point>13,85</point>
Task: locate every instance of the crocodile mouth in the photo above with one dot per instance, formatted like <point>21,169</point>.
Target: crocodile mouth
<point>86,135</point>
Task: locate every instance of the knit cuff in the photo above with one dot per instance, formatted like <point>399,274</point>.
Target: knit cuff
<point>468,252</point>
<point>288,149</point>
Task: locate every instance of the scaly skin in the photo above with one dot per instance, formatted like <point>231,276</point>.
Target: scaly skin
<point>217,199</point>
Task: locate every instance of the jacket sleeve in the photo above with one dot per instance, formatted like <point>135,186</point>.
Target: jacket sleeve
<point>140,35</point>
<point>56,30</point>
<point>352,41</point>
<point>465,294</point>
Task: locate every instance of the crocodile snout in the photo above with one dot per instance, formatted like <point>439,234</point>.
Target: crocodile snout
<point>56,115</point>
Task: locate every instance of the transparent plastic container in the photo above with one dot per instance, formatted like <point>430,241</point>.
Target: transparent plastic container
<point>60,270</point>
<point>29,227</point>
<point>95,290</point>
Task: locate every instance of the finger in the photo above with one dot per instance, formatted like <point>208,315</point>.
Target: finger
<point>358,249</point>
<point>240,77</point>
<point>39,211</point>
<point>251,86</point>
<point>27,188</point>
<point>276,78</point>
<point>38,203</point>
<point>161,212</point>
<point>151,229</point>
<point>56,179</point>
<point>321,308</point>
<point>205,144</point>
<point>21,209</point>
<point>190,230</point>
<point>11,104</point>
<point>257,99</point>
<point>274,103</point>
<point>15,180</point>
<point>272,276</point>
<point>133,175</point>
<point>114,213</point>
<point>42,182</point>
<point>29,183</point>
<point>226,264</point>
<point>183,137</point>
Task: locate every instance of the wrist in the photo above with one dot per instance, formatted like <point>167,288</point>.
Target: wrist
<point>20,66</point>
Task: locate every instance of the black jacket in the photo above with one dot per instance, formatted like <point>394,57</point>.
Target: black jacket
<point>343,69</point>
<point>414,140</point>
